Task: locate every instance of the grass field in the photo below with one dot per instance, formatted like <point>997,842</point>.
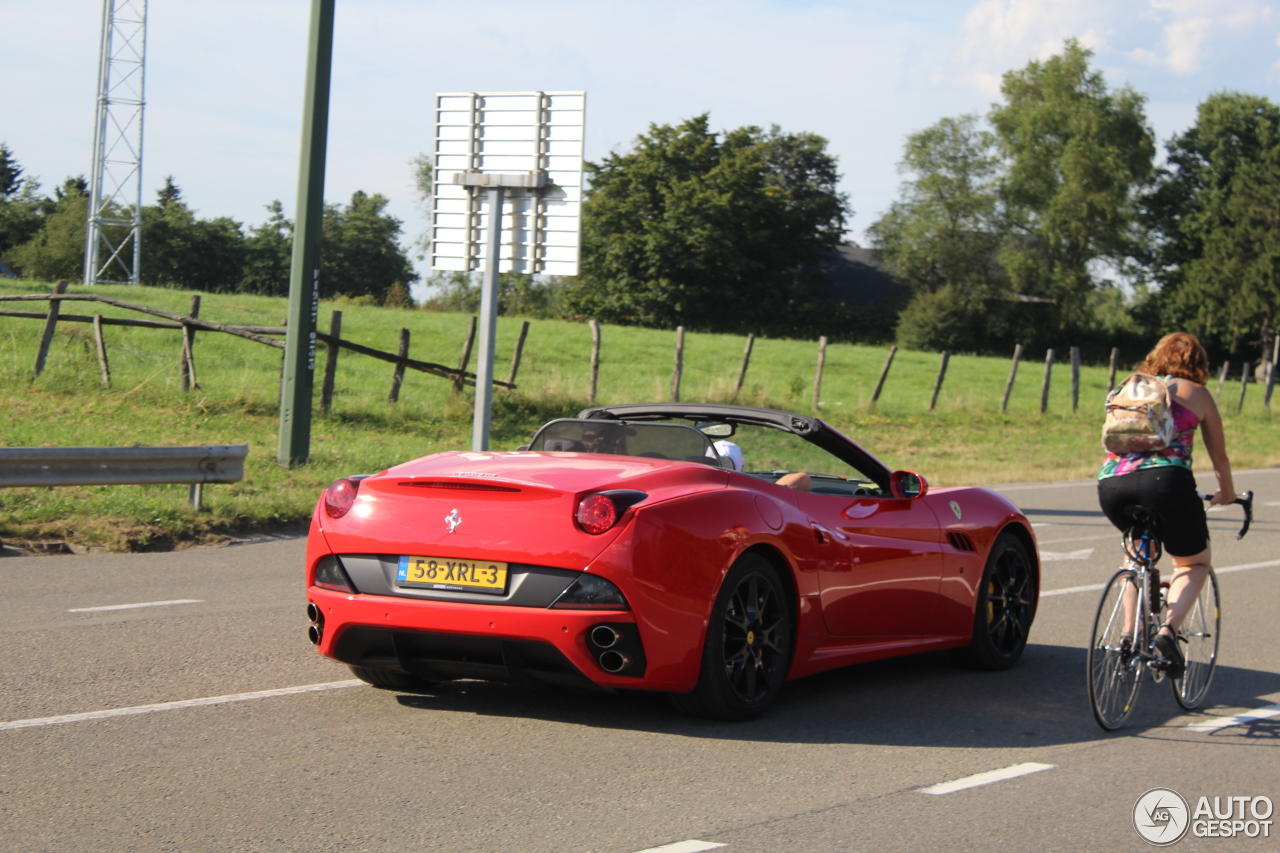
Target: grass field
<point>966,440</point>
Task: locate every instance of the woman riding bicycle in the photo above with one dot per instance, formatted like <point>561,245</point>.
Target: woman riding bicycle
<point>1161,481</point>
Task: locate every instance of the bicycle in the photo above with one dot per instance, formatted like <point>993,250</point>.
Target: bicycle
<point>1122,653</point>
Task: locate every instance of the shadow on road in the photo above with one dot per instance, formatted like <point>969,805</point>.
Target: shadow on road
<point>923,700</point>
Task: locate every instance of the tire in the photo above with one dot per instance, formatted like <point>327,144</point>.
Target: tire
<point>1114,676</point>
<point>385,679</point>
<point>748,647</point>
<point>1202,629</point>
<point>1005,608</point>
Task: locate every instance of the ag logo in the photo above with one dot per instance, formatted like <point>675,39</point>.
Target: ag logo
<point>955,510</point>
<point>1161,816</point>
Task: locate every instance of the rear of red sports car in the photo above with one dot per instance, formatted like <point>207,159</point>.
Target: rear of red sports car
<point>512,566</point>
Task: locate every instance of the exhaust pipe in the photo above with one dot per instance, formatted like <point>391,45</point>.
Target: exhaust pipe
<point>605,637</point>
<point>316,629</point>
<point>614,662</point>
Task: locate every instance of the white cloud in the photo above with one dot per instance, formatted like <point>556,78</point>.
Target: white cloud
<point>1184,42</point>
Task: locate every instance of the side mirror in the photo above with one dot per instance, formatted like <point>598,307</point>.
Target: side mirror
<point>523,447</point>
<point>907,485</point>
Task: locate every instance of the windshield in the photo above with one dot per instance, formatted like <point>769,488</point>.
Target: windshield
<point>650,440</point>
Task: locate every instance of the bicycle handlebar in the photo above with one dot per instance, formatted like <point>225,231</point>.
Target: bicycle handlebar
<point>1245,500</point>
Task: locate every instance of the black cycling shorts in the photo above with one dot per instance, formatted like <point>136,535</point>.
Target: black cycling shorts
<point>1170,492</point>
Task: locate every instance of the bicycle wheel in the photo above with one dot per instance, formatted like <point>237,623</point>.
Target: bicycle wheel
<point>1202,629</point>
<point>1114,672</point>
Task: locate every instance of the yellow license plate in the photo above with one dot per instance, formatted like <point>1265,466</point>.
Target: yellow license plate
<point>451,573</point>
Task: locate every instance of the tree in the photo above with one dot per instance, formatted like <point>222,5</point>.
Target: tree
<point>942,239</point>
<point>713,231</point>
<point>10,172</point>
<point>1076,154</point>
<point>1215,211</point>
<point>179,250</point>
<point>360,251</point>
<point>55,248</point>
<point>268,253</point>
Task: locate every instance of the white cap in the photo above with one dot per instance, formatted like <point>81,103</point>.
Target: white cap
<point>729,450</point>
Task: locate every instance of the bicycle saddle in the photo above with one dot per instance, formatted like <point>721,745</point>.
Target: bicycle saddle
<point>1142,516</point>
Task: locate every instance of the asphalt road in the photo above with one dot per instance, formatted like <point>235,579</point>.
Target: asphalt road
<point>838,764</point>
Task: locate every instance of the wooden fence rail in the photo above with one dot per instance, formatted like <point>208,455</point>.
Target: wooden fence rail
<point>188,324</point>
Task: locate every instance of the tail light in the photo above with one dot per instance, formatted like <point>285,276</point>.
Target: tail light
<point>591,592</point>
<point>340,496</point>
<point>600,512</point>
<point>331,575</point>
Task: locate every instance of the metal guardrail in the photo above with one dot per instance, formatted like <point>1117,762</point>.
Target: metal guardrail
<point>123,466</point>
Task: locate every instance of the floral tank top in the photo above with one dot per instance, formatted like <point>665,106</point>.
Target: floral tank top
<point>1178,452</point>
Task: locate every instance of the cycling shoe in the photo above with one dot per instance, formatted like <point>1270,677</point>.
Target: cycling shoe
<point>1175,664</point>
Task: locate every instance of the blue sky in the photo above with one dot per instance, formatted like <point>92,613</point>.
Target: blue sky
<point>224,85</point>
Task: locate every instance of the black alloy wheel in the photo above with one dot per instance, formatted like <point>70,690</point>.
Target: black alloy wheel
<point>1006,606</point>
<point>748,646</point>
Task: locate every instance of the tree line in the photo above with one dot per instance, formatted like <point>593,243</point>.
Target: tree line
<point>1049,221</point>
<point>43,237</point>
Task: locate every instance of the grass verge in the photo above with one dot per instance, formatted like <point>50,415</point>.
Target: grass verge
<point>965,441</point>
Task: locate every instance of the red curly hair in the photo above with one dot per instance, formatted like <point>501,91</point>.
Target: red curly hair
<point>1179,355</point>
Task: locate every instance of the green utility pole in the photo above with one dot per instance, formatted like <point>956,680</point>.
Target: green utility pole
<point>304,274</point>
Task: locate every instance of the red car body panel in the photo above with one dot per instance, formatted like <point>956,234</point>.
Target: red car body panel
<point>872,577</point>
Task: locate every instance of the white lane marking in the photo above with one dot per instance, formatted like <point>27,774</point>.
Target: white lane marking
<point>1058,556</point>
<point>132,606</point>
<point>1272,503</point>
<point>1080,539</point>
<point>1038,524</point>
<point>1225,570</point>
<point>177,706</point>
<point>1093,587</point>
<point>1217,509</point>
<point>1247,567</point>
<point>1227,722</point>
<point>1026,487</point>
<point>987,778</point>
<point>684,847</point>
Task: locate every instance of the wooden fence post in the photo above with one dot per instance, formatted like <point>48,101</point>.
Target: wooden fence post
<point>817,378</point>
<point>742,371</point>
<point>397,378</point>
<point>1044,387</point>
<point>331,362</point>
<point>884,373</point>
<point>1244,383</point>
<point>50,324</point>
<point>100,344</point>
<point>675,376</point>
<point>187,370</point>
<point>515,358</point>
<point>595,360</point>
<point>1115,362</point>
<point>465,358</point>
<point>1271,372</point>
<point>937,385</point>
<point>1222,377</point>
<point>1075,379</point>
<point>1013,373</point>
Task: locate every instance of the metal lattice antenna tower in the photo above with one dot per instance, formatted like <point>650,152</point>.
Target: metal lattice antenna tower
<point>113,244</point>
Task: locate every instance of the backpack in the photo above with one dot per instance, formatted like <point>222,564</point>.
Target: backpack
<point>1139,419</point>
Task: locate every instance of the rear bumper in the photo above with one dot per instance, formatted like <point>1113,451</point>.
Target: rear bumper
<point>445,640</point>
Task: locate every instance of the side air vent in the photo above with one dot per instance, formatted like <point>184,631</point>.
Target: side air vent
<point>961,541</point>
<point>456,486</point>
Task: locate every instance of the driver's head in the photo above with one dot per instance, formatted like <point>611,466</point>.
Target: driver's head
<point>601,438</point>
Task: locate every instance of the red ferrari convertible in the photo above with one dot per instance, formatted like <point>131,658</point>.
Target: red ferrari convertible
<point>708,551</point>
